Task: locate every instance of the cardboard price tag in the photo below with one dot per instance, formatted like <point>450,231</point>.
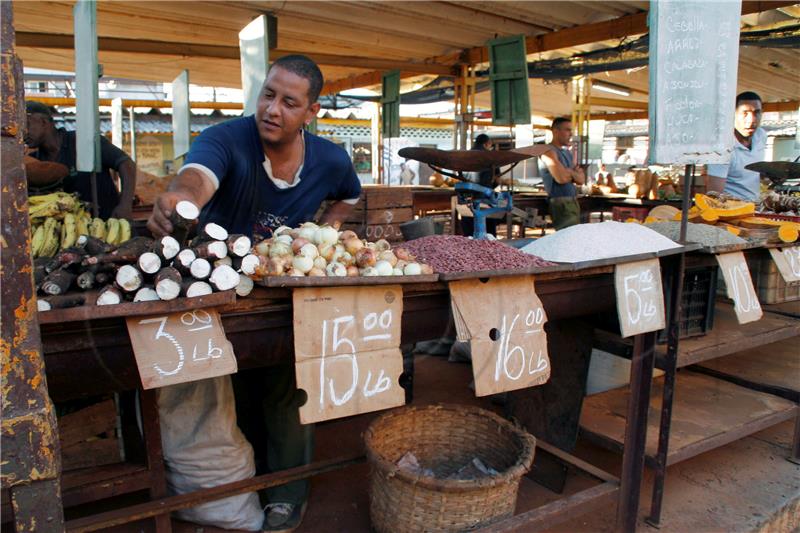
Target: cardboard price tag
<point>180,347</point>
<point>788,262</point>
<point>740,286</point>
<point>640,298</point>
<point>504,320</point>
<point>347,350</point>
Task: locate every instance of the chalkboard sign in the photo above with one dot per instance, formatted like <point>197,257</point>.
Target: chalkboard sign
<point>694,53</point>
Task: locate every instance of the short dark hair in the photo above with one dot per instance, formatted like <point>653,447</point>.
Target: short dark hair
<point>37,108</point>
<point>480,140</point>
<point>747,96</point>
<point>306,68</point>
<point>559,121</point>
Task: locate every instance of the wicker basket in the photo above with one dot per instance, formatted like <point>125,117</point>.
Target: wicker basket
<point>444,438</point>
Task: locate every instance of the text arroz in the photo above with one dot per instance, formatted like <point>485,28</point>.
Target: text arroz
<point>788,262</point>
<point>347,353</point>
<point>740,286</point>
<point>504,321</point>
<point>180,347</point>
<point>640,298</point>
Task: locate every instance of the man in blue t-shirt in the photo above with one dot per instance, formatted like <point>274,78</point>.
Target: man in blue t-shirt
<point>252,175</point>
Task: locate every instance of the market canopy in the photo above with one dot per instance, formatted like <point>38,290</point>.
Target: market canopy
<point>355,42</point>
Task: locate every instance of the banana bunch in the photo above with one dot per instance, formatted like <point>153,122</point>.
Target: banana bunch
<point>56,205</point>
<point>52,235</point>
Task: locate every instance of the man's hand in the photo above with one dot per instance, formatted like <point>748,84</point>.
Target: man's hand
<point>159,223</point>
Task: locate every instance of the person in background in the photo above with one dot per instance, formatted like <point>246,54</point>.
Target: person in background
<point>47,143</point>
<point>252,175</point>
<point>560,174</point>
<point>485,178</point>
<point>749,145</point>
<point>406,174</point>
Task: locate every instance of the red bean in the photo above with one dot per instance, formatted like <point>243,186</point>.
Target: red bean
<point>454,253</point>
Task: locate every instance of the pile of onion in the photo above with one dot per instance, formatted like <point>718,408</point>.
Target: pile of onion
<point>313,250</point>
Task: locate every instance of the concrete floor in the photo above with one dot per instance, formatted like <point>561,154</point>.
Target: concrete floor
<point>745,486</point>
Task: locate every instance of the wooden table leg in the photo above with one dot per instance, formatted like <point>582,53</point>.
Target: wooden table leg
<point>154,453</point>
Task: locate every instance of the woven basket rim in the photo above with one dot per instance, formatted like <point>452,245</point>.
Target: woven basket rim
<point>510,475</point>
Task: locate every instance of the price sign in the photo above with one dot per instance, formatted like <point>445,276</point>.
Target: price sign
<point>640,298</point>
<point>180,347</point>
<point>788,262</point>
<point>347,350</point>
<point>504,320</point>
<point>740,287</point>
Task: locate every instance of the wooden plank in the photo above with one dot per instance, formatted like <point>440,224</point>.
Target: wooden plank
<point>390,232</point>
<point>728,336</point>
<point>389,216</point>
<point>91,312</point>
<point>97,452</point>
<point>389,198</point>
<point>707,413</point>
<point>88,422</point>
<point>289,281</point>
<point>92,484</point>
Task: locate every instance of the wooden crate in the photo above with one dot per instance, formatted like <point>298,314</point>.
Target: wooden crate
<point>88,436</point>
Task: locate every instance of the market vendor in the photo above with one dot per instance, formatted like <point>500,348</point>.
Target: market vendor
<point>749,145</point>
<point>252,175</point>
<point>487,179</point>
<point>560,174</point>
<point>47,143</point>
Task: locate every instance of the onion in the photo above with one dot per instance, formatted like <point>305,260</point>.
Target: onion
<point>309,250</point>
<point>370,245</point>
<point>382,245</point>
<point>286,239</point>
<point>347,234</point>
<point>262,248</point>
<point>336,269</point>
<point>279,249</point>
<point>384,268</point>
<point>400,264</point>
<point>397,272</point>
<point>302,263</point>
<point>295,273</point>
<point>327,251</point>
<point>275,266</point>
<point>426,269</point>
<point>309,224</point>
<point>297,244</point>
<point>412,269</point>
<point>403,254</point>
<point>366,257</point>
<point>307,233</point>
<point>388,256</point>
<point>319,262</point>
<point>281,230</point>
<point>352,271</point>
<point>316,273</point>
<point>353,245</point>
<point>326,235</point>
<point>369,271</point>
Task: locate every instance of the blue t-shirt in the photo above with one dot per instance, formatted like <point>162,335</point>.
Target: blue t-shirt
<point>247,201</point>
<point>553,188</point>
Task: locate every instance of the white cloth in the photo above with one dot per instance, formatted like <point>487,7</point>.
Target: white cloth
<point>203,447</point>
<point>742,183</point>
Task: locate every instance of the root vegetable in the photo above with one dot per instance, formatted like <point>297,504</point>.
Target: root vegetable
<point>327,250</point>
<point>262,248</point>
<point>352,271</point>
<point>347,234</point>
<point>285,239</point>
<point>149,263</point>
<point>336,270</point>
<point>197,288</point>
<point>85,280</point>
<point>168,283</point>
<point>397,272</point>
<point>182,219</point>
<point>63,301</point>
<point>57,282</point>
<point>248,264</point>
<point>403,254</point>
<point>425,269</point>
<point>129,278</point>
<point>282,230</point>
<point>280,249</point>
<point>353,245</point>
<point>166,247</point>
<point>215,232</point>
<point>307,232</point>
<point>93,245</point>
<point>384,268</point>
<point>245,286</point>
<point>224,278</point>
<point>101,279</point>
<point>227,260</point>
<point>319,262</point>
<point>316,273</point>
<point>109,295</point>
<point>366,257</point>
<point>326,235</point>
<point>298,244</point>
<point>200,268</point>
<point>382,245</point>
<point>302,263</point>
<point>146,294</point>
<point>388,256</point>
<point>309,250</point>
<point>211,250</point>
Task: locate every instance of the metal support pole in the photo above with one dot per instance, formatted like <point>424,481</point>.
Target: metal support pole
<point>31,456</point>
<point>636,431</point>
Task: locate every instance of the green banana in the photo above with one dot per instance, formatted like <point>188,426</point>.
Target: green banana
<point>51,238</point>
<point>98,229</point>
<point>112,231</point>
<point>124,230</point>
<point>37,241</point>
<point>68,231</point>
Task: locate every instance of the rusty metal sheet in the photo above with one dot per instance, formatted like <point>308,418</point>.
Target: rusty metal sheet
<point>12,114</point>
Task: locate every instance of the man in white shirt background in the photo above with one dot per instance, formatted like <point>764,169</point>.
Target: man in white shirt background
<point>749,146</point>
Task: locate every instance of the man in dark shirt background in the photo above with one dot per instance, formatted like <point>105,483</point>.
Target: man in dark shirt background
<point>48,143</point>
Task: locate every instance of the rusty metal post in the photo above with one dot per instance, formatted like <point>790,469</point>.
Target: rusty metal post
<point>31,456</point>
